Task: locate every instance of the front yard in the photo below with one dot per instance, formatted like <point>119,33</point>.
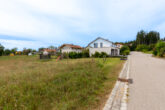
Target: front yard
<point>27,83</point>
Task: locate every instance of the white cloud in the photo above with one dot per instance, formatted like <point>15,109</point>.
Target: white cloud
<point>20,44</point>
<point>76,20</point>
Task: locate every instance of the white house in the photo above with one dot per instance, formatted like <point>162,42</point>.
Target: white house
<point>66,48</point>
<point>103,45</point>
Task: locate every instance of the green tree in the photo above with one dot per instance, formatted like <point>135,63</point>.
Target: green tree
<point>125,50</point>
<point>14,50</point>
<point>1,50</point>
<point>140,37</point>
<point>52,47</point>
<point>7,51</point>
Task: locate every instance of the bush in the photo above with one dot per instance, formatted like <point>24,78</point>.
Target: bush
<point>100,55</point>
<point>155,51</point>
<point>160,49</point>
<point>125,50</point>
<point>65,55</point>
<point>151,47</point>
<point>96,55</point>
<point>103,54</point>
<point>85,53</point>
<point>142,48</point>
<point>74,55</point>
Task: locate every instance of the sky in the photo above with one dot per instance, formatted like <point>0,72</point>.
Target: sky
<point>41,23</point>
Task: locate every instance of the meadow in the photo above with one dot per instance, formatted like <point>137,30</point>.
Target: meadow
<point>27,83</point>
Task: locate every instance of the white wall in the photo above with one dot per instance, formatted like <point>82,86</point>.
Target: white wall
<point>67,49</point>
<point>105,43</point>
<point>105,49</point>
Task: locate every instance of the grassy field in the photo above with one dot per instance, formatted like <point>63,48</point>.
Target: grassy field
<point>27,83</point>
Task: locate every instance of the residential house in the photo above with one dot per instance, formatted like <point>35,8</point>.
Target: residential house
<point>50,51</point>
<point>119,45</point>
<point>103,45</point>
<point>66,48</point>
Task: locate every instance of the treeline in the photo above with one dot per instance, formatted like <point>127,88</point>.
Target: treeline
<point>14,51</point>
<point>148,42</point>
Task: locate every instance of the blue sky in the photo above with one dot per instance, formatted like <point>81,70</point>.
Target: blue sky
<point>41,23</point>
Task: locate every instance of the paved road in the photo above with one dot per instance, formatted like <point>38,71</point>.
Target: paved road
<point>148,89</point>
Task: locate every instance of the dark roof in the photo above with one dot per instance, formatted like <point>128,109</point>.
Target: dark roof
<point>99,38</point>
<point>72,46</point>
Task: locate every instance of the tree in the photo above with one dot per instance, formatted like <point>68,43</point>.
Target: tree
<point>140,37</point>
<point>52,47</point>
<point>1,50</point>
<point>125,50</point>
<point>14,50</point>
<point>147,38</point>
<point>7,51</point>
<point>26,51</point>
<point>41,49</point>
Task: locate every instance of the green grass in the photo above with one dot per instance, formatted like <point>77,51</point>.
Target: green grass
<point>148,52</point>
<point>27,83</point>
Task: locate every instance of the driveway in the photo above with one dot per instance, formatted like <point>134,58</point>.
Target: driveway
<point>148,89</point>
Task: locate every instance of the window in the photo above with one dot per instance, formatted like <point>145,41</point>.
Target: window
<point>101,45</point>
<point>95,45</point>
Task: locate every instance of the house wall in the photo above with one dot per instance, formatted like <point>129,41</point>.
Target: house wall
<point>107,50</point>
<point>105,43</point>
<point>67,49</point>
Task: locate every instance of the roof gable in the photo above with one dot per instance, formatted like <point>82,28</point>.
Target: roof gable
<point>98,39</point>
<point>71,46</point>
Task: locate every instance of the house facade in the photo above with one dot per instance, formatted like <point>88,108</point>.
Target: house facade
<point>66,48</point>
<point>103,45</point>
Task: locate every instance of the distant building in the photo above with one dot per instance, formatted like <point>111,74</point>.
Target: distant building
<point>103,45</point>
<point>66,48</point>
<point>119,45</point>
<point>50,51</point>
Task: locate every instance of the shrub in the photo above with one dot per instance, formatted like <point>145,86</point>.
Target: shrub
<point>65,55</point>
<point>96,55</point>
<point>151,47</point>
<point>103,54</point>
<point>125,50</point>
<point>160,49</point>
<point>155,51</point>
<point>142,48</point>
<point>85,53</point>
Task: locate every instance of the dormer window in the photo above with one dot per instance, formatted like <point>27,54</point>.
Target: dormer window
<point>95,45</point>
<point>101,45</point>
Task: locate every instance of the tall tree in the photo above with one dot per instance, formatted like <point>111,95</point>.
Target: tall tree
<point>1,50</point>
<point>140,37</point>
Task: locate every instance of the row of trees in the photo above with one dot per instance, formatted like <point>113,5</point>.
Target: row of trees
<point>15,51</point>
<point>147,38</point>
<point>144,39</point>
<point>147,42</point>
<point>4,51</point>
<point>25,51</point>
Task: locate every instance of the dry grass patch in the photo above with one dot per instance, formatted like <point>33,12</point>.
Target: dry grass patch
<point>27,83</point>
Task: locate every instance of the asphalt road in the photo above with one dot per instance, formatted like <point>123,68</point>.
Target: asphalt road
<point>148,89</point>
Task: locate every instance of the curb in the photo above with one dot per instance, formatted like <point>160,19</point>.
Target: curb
<point>109,103</point>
